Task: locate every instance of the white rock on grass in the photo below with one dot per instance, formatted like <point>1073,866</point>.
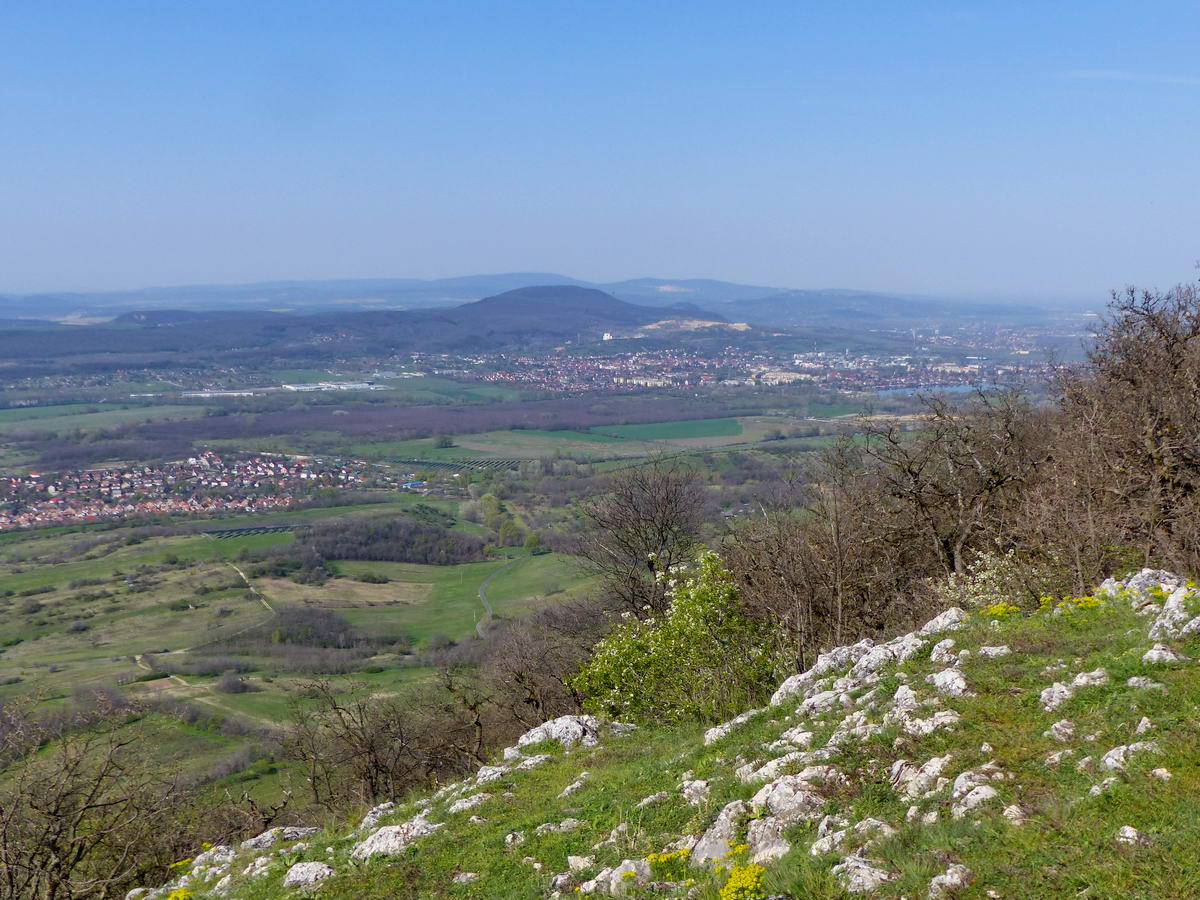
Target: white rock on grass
<point>1173,617</point>
<point>942,652</point>
<point>1141,681</point>
<point>306,874</point>
<point>1143,726</point>
<point>838,658</point>
<point>975,798</point>
<point>1095,678</point>
<point>576,864</point>
<point>1014,814</point>
<point>897,650</point>
<point>766,840</point>
<point>799,736</point>
<point>1062,730</point>
<point>630,873</point>
<point>392,839</point>
<point>466,803</point>
<point>488,774</point>
<point>531,762</point>
<point>1116,758</point>
<point>790,799</point>
<point>950,682</point>
<point>465,877</point>
<point>694,792</point>
<point>1127,834</point>
<point>257,867</point>
<point>652,799</point>
<point>717,732</point>
<point>994,652</point>
<point>371,819</point>
<point>954,879</point>
<point>513,838</point>
<point>719,838</point>
<point>951,620</point>
<point>575,785</point>
<point>273,836</point>
<point>558,827</point>
<point>861,876</point>
<point>1160,654</point>
<point>1162,774</point>
<point>915,781</point>
<point>869,828</point>
<point>1097,789</point>
<point>1056,695</point>
<point>571,730</point>
<point>944,718</point>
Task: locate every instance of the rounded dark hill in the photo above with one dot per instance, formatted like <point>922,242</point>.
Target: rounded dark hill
<point>553,307</point>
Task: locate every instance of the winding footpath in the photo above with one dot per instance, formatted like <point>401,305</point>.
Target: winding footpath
<point>481,625</point>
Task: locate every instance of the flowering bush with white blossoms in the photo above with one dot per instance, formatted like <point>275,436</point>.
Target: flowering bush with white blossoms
<point>703,659</point>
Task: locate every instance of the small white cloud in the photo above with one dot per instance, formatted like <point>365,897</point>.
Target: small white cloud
<point>1130,77</point>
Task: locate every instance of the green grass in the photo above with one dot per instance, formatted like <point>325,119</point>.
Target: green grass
<point>421,448</point>
<point>668,431</point>
<point>453,606</point>
<point>89,416</point>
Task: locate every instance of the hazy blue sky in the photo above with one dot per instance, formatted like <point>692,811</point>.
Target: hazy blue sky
<point>988,149</point>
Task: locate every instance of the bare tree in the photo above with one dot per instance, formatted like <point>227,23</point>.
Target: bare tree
<point>85,817</point>
<point>651,518</point>
<point>953,472</point>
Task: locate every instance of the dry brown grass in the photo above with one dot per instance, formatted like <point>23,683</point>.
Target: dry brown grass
<point>344,593</point>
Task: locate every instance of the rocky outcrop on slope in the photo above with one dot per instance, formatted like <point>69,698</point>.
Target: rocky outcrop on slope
<point>868,720</point>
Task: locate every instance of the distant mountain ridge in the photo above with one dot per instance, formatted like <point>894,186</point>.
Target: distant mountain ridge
<point>534,318</point>
<point>706,298</point>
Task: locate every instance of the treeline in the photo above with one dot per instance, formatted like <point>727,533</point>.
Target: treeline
<point>387,539</point>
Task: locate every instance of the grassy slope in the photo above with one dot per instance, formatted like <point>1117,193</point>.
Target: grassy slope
<point>1065,848</point>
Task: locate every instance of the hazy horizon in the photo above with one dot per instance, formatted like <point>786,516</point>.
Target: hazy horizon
<point>974,150</point>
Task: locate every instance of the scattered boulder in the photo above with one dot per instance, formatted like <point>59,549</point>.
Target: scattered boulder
<point>861,876</point>
<point>466,803</point>
<point>273,836</point>
<point>717,732</point>
<point>951,620</point>
<point>652,799</point>
<point>1116,758</point>
<point>558,827</point>
<point>465,877</point>
<point>1141,681</point>
<point>766,840</point>
<point>1062,730</point>
<point>719,838</point>
<point>1129,835</point>
<point>950,682</point>
<point>942,652</point>
<point>575,785</point>
<point>1056,695</point>
<point>956,878</point>
<point>1160,654</point>
<point>306,874</point>
<point>571,730</point>
<point>392,839</point>
<point>694,792</point>
<point>993,653</point>
<point>1095,678</point>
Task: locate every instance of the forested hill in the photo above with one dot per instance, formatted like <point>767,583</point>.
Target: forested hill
<point>533,317</point>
